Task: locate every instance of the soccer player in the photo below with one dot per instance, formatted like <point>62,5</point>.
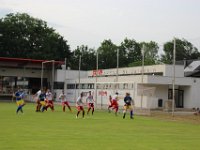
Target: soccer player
<point>115,104</point>
<point>42,98</point>
<point>38,106</point>
<point>110,103</point>
<point>90,101</point>
<point>64,101</point>
<point>79,105</point>
<point>19,100</point>
<point>49,100</point>
<point>129,103</point>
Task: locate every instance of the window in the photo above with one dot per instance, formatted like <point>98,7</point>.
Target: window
<point>58,85</point>
<point>90,86</point>
<point>70,86</point>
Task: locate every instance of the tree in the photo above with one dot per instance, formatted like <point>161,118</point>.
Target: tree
<point>107,55</point>
<point>27,37</point>
<point>131,52</point>
<point>88,58</point>
<point>184,50</point>
<point>150,52</point>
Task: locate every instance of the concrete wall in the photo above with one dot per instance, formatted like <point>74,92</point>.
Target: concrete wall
<point>195,94</point>
<point>70,74</point>
<point>169,70</point>
<point>188,102</point>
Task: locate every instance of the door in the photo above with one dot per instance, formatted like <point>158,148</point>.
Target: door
<point>179,99</point>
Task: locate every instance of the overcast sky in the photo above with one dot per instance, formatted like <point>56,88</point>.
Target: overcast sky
<point>89,22</point>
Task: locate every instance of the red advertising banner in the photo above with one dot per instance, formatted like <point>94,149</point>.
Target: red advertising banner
<point>97,72</point>
<point>103,93</point>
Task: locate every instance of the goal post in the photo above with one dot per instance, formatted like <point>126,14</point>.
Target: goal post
<point>146,93</point>
<point>102,90</point>
<point>52,76</point>
<point>105,89</point>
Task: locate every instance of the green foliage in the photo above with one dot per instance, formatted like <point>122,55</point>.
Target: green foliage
<point>88,58</point>
<point>184,50</point>
<point>60,131</point>
<point>150,52</point>
<point>27,37</point>
<point>131,52</point>
<point>107,54</point>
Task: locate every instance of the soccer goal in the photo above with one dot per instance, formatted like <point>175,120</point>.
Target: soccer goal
<point>146,94</point>
<point>105,89</point>
<point>46,66</point>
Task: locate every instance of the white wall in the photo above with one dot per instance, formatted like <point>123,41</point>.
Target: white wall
<point>70,74</point>
<point>169,70</point>
<point>188,102</point>
<point>195,94</point>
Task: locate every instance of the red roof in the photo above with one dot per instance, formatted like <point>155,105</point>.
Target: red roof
<point>28,63</point>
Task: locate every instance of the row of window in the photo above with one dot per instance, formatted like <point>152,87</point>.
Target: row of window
<point>101,86</point>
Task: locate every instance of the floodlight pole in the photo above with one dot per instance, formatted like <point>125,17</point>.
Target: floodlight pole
<point>65,75</point>
<point>143,47</point>
<point>53,70</point>
<point>97,67</point>
<point>79,75</point>
<point>174,61</point>
<point>117,65</point>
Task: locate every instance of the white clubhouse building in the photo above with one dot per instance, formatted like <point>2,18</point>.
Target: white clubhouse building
<point>156,82</point>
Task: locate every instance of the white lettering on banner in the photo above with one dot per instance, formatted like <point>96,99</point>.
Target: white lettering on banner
<point>124,71</point>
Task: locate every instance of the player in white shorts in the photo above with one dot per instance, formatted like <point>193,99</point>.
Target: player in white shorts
<point>79,105</point>
<point>90,101</point>
<point>64,101</point>
<point>49,100</point>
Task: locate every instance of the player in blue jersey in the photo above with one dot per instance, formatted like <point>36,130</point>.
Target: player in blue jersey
<point>19,100</point>
<point>129,103</point>
<point>42,98</point>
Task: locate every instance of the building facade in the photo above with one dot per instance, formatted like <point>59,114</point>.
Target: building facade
<point>150,86</point>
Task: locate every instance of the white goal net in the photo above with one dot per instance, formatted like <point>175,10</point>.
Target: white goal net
<point>105,89</point>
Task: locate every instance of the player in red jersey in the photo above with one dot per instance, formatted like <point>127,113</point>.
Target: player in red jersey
<point>115,104</point>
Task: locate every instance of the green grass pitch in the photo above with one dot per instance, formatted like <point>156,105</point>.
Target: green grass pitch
<point>103,131</point>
